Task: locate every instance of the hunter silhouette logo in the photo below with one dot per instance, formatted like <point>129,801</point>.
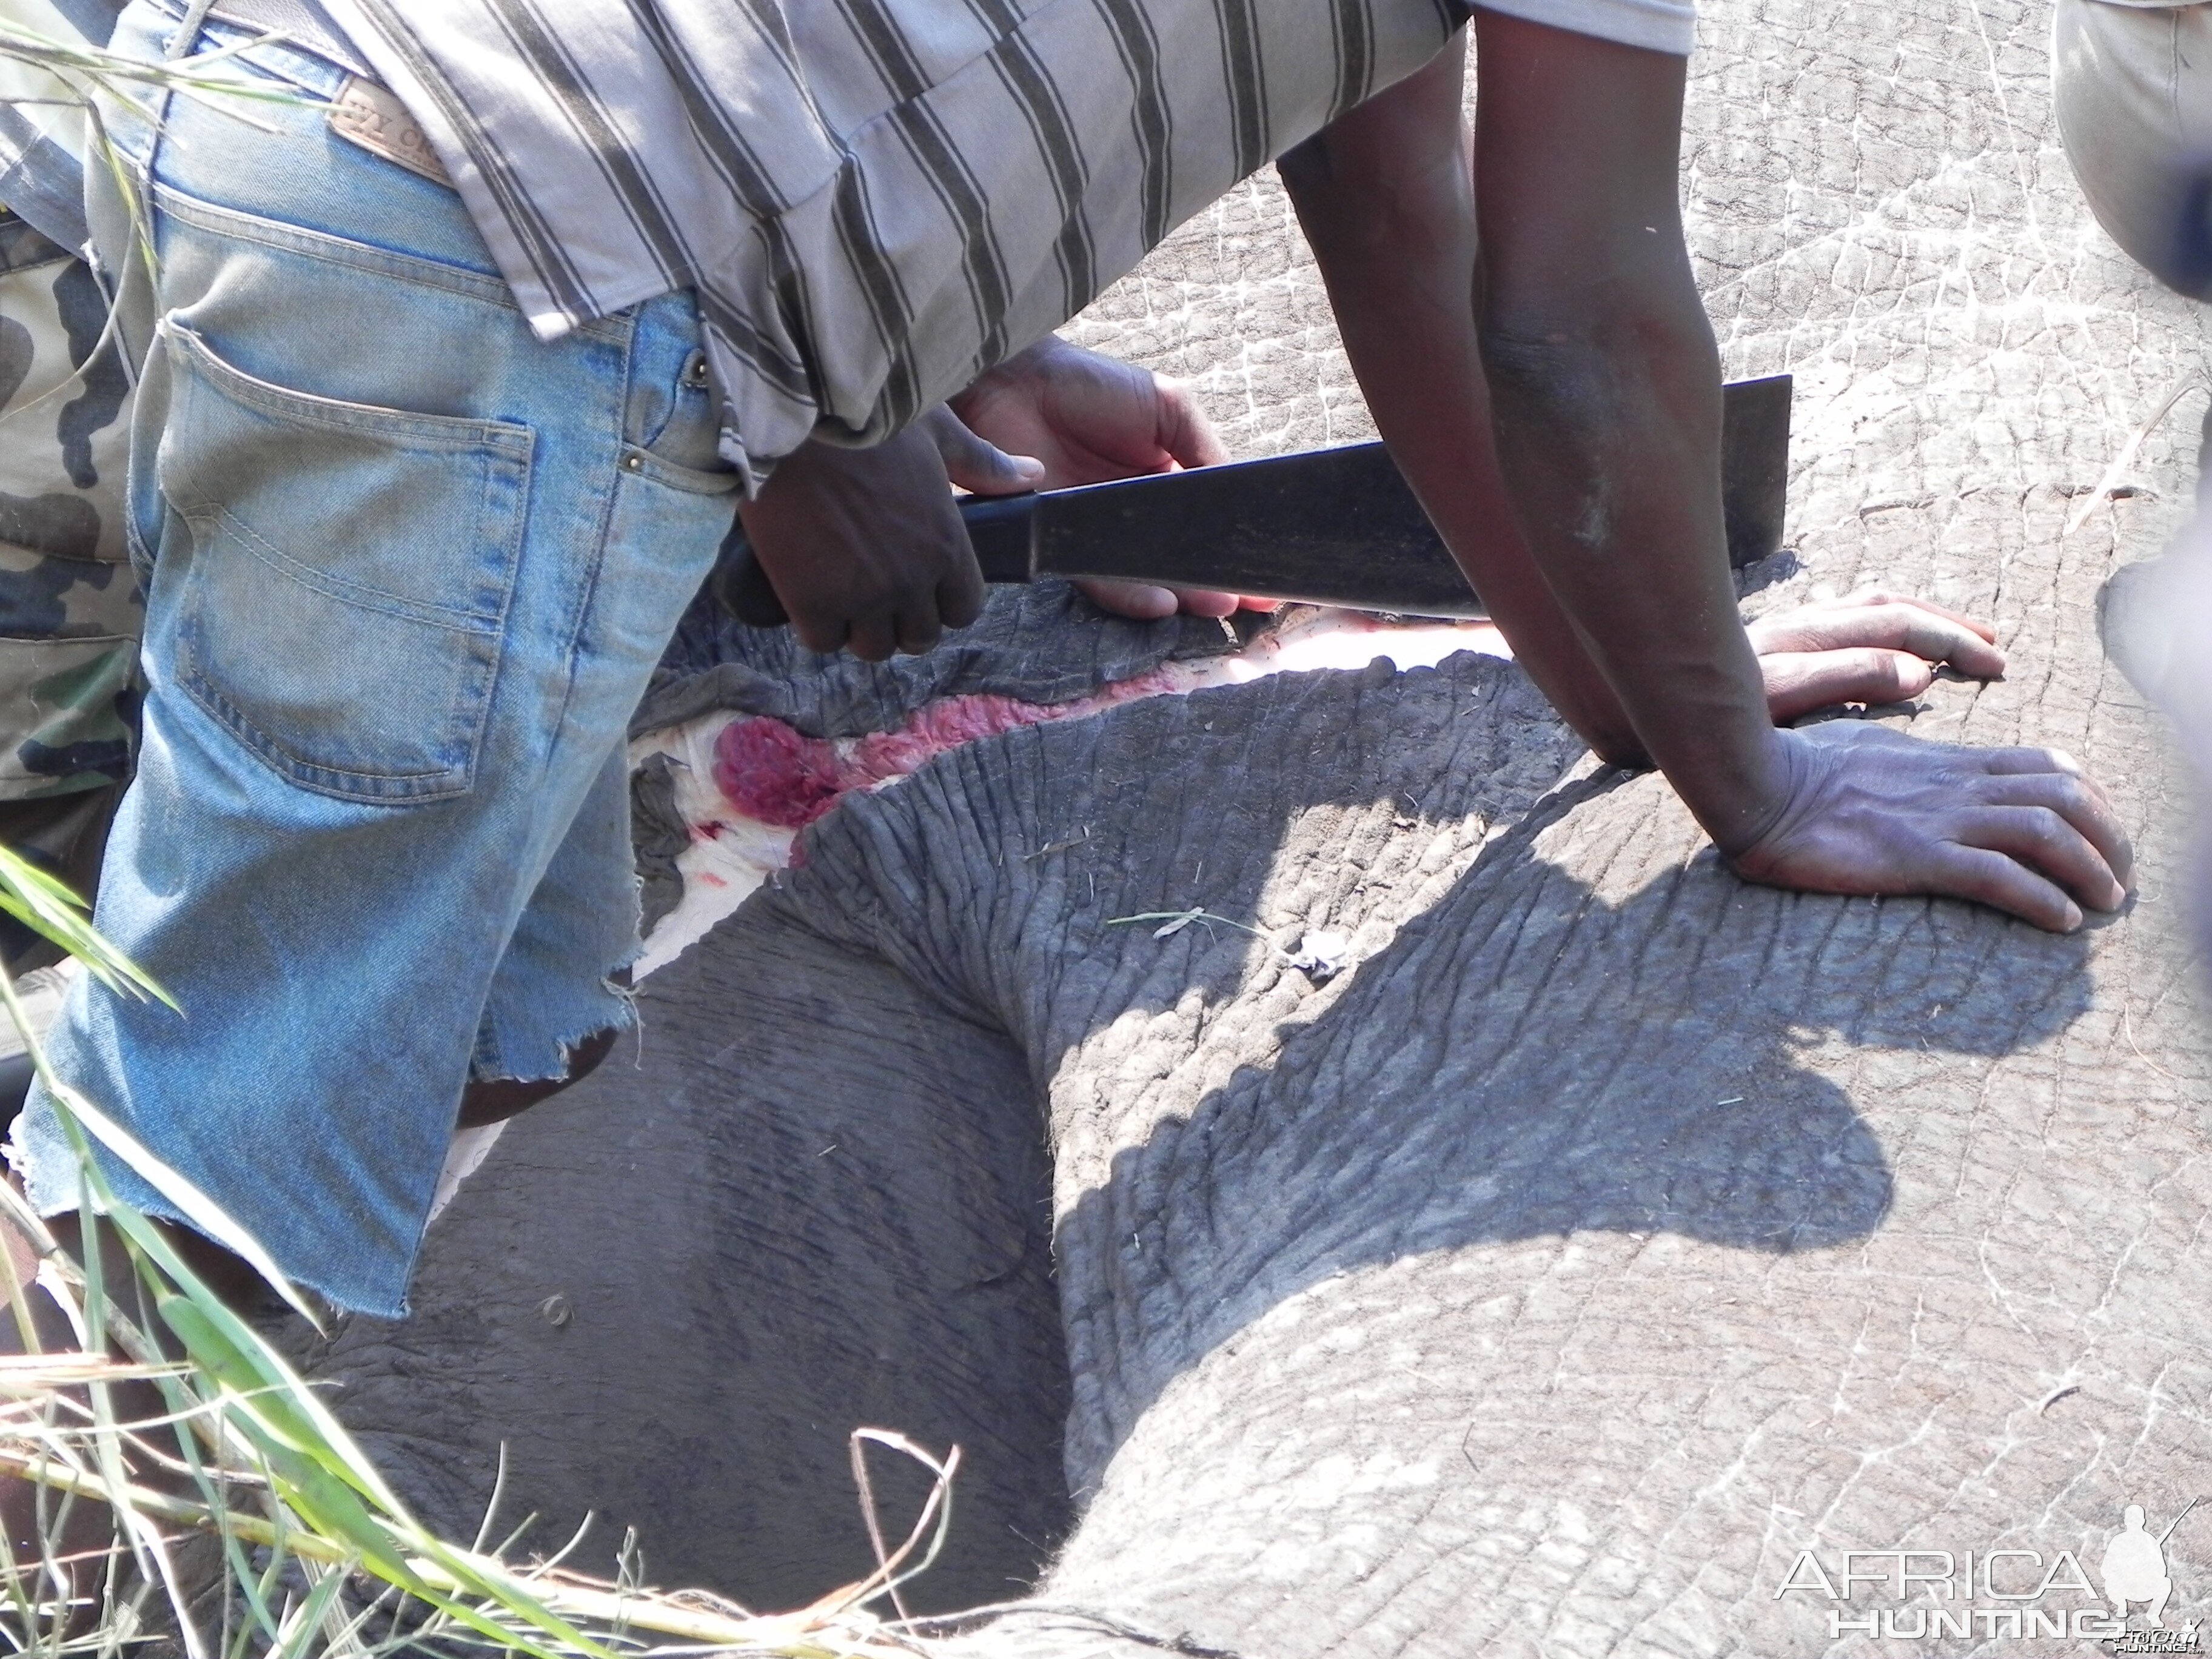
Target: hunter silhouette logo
<point>2134,1565</point>
<point>2134,1570</point>
<point>2014,1595</point>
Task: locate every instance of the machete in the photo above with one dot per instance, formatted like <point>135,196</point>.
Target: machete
<point>1327,527</point>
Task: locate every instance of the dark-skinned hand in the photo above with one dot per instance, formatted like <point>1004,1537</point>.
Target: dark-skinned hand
<point>1874,811</point>
<point>864,547</point>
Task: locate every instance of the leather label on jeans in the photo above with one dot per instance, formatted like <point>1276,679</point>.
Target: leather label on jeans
<point>372,116</point>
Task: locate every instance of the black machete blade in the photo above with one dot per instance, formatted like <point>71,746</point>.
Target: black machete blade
<point>1339,527</point>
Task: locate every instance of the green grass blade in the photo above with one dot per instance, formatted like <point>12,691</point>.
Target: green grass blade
<point>78,1114</point>
<point>46,904</point>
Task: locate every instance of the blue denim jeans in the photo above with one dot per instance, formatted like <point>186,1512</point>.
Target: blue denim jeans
<point>408,568</point>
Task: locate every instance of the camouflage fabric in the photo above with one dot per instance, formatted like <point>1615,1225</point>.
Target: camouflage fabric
<point>69,611</point>
<point>69,616</point>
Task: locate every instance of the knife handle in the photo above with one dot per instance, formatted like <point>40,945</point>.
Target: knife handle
<point>998,528</point>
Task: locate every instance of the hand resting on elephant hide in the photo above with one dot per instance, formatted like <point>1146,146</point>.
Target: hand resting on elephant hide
<point>1873,647</point>
<point>1874,811</point>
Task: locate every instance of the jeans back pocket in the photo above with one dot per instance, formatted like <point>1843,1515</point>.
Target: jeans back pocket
<point>348,575</point>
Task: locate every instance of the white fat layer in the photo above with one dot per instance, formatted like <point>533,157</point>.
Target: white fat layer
<point>730,854</point>
<point>464,1158</point>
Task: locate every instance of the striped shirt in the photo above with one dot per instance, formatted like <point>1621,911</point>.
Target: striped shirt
<point>876,200</point>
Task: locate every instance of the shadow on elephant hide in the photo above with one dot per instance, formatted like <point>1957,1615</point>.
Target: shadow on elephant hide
<point>1572,1061</point>
<point>1595,1029</point>
<point>1607,1229</point>
<point>805,1200</point>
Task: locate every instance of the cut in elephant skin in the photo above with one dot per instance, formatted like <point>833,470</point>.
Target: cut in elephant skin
<point>1609,1233</point>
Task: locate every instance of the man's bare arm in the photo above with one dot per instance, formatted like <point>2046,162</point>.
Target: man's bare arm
<point>1606,398</point>
<point>1604,393</point>
<point>1384,197</point>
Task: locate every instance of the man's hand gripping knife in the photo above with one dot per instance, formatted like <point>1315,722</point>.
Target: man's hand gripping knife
<point>864,548</point>
<point>1522,315</point>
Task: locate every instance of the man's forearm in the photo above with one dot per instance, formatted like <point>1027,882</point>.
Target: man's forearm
<point>1606,402</point>
<point>1610,434</point>
<point>1383,197</point>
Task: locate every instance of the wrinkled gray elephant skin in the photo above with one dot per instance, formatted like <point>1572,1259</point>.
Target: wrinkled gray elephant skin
<point>1608,1234</point>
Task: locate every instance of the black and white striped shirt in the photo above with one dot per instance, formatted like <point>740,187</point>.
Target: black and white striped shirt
<point>876,200</point>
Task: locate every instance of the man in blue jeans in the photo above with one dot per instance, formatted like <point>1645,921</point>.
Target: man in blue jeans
<point>452,380</point>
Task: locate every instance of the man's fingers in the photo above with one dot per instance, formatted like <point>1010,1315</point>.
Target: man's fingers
<point>961,595</point>
<point>914,627</point>
<point>1184,431</point>
<point>975,464</point>
<point>1877,811</point>
<point>1894,624</point>
<point>2003,884</point>
<point>918,628</point>
<point>1204,602</point>
<point>2036,763</point>
<point>875,637</point>
<point>2047,843</point>
<point>1799,682</point>
<point>1882,595</point>
<point>2024,759</point>
<point>2085,807</point>
<point>818,633</point>
<point>1140,601</point>
<point>1146,601</point>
